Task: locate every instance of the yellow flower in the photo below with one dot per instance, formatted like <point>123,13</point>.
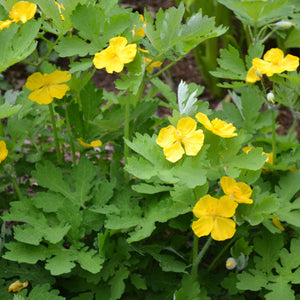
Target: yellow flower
<point>140,31</point>
<point>238,191</point>
<point>17,286</point>
<point>217,126</point>
<point>96,143</point>
<point>22,11</point>
<point>60,7</point>
<point>170,139</point>
<point>155,64</point>
<point>214,217</point>
<point>48,86</point>
<point>3,151</point>
<point>274,62</point>
<point>115,55</point>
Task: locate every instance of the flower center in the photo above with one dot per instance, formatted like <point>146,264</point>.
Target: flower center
<point>179,136</point>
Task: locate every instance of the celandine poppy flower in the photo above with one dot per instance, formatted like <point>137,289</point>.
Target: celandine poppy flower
<point>214,217</point>
<point>115,55</point>
<point>171,139</point>
<point>238,191</point>
<point>46,87</point>
<point>274,62</point>
<point>217,126</point>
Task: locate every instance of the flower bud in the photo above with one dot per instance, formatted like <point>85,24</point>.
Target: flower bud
<point>284,25</point>
<point>270,97</point>
<point>230,263</point>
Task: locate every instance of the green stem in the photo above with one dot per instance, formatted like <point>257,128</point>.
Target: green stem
<point>214,262</point>
<point>195,247</point>
<point>50,50</point>
<point>16,186</point>
<point>58,153</point>
<point>167,67</point>
<point>273,137</point>
<point>71,138</point>
<point>1,129</point>
<point>292,128</point>
<point>199,257</point>
<point>127,135</point>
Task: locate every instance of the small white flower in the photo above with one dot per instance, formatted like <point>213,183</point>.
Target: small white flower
<point>230,263</point>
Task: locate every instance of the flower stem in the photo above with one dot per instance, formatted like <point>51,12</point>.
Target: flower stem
<point>214,262</point>
<point>199,257</point>
<point>292,127</point>
<point>273,137</point>
<point>127,135</point>
<point>71,138</point>
<point>58,153</point>
<point>1,129</point>
<point>16,186</point>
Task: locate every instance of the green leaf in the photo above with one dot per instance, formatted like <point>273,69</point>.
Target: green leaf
<point>6,110</point>
<point>61,263</point>
<point>145,188</point>
<point>138,282</point>
<point>90,260</point>
<point>44,292</point>
<point>25,253</point>
<point>17,42</point>
<point>231,65</point>
<point>117,283</point>
<point>84,174</point>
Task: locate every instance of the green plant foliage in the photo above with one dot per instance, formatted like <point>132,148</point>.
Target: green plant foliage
<point>92,208</point>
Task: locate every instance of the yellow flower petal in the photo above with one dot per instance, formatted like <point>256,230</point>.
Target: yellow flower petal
<point>274,56</point>
<point>227,184</point>
<point>202,207</point>
<point>193,142</point>
<point>155,64</point>
<point>5,24</point>
<point>223,229</point>
<point>35,81</point>
<point>128,54</point>
<point>252,75</point>
<point>3,151</point>
<point>23,11</point>
<point>186,125</point>
<point>227,207</point>
<point>277,223</point>
<point>17,286</point>
<point>203,226</point>
<point>118,42</point>
<point>58,90</point>
<point>57,77</point>
<point>174,153</point>
<point>290,63</point>
<point>204,120</point>
<point>41,96</point>
<point>167,137</point>
<point>223,129</point>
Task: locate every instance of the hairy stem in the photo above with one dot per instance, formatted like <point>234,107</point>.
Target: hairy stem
<point>58,153</point>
